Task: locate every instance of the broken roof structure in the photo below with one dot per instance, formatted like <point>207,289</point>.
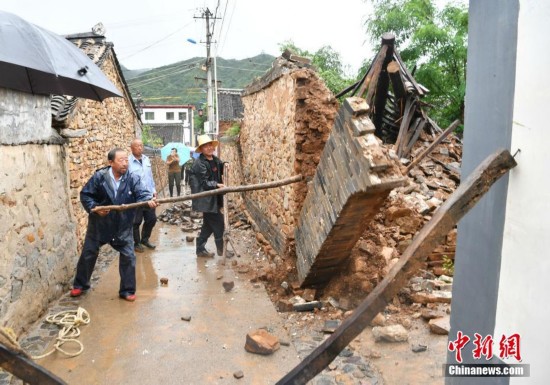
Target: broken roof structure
<point>394,98</point>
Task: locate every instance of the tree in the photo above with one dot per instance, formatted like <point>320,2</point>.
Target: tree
<point>149,138</point>
<point>434,41</point>
<point>328,63</point>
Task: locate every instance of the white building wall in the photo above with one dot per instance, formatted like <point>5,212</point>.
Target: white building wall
<point>523,305</point>
<point>160,115</point>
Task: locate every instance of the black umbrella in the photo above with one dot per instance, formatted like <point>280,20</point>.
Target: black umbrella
<point>38,61</point>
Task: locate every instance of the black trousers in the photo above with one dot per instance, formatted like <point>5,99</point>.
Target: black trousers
<point>149,217</point>
<point>211,223</point>
<point>174,177</point>
<point>126,265</point>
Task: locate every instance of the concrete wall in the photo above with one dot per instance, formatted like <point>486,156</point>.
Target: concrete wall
<point>522,305</point>
<point>24,118</point>
<point>288,117</point>
<point>38,252</point>
<point>488,126</point>
<point>111,123</point>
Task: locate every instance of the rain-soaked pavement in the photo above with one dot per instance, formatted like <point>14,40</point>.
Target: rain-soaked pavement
<point>147,342</point>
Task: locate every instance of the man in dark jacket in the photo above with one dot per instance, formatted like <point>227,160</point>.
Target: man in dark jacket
<point>112,185</point>
<point>207,174</point>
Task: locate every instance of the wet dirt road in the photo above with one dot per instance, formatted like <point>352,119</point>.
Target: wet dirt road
<point>147,342</point>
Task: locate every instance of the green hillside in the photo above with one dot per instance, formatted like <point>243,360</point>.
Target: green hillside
<point>182,82</point>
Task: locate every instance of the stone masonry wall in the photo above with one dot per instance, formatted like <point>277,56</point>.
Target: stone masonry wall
<point>37,231</point>
<point>111,123</point>
<point>231,153</point>
<point>287,120</point>
<point>354,177</point>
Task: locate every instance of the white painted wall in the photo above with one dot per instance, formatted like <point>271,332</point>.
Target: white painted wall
<point>160,115</point>
<point>523,300</point>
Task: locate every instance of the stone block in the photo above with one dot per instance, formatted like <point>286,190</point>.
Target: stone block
<point>261,342</point>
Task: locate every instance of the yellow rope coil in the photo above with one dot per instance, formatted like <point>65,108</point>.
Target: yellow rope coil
<point>69,321</point>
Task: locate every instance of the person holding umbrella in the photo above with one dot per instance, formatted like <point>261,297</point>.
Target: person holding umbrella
<point>207,174</point>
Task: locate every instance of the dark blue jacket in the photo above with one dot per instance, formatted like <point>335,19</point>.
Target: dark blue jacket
<point>115,227</point>
<point>202,178</point>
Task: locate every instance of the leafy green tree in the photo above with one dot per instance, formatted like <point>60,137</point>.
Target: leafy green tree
<point>198,121</point>
<point>328,63</point>
<point>150,139</point>
<point>433,40</point>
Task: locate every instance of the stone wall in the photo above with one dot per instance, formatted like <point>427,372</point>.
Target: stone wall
<point>231,153</point>
<point>288,117</point>
<point>37,231</point>
<point>111,123</point>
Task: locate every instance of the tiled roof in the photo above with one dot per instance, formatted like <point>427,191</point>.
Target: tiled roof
<point>97,49</point>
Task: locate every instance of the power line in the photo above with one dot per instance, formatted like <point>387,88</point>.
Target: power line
<point>156,42</point>
<point>228,25</point>
<point>242,69</point>
<point>163,71</point>
<point>153,80</point>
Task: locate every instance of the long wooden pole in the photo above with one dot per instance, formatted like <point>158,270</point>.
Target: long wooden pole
<point>225,190</point>
<point>433,233</point>
<point>430,148</point>
<point>26,369</point>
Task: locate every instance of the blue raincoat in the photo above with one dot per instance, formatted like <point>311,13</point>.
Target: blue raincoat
<point>116,227</point>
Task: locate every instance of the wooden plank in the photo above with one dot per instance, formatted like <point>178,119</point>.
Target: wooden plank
<point>408,75</point>
<point>394,71</point>
<point>430,148</point>
<point>405,122</point>
<point>25,369</point>
<point>414,138</point>
<point>432,234</point>
<point>372,77</point>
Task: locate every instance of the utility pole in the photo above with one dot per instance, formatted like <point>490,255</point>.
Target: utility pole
<point>211,122</point>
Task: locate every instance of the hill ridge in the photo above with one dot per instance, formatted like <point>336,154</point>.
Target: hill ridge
<point>182,82</point>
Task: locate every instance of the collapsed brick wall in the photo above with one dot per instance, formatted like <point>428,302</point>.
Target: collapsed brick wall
<point>288,117</point>
<point>354,177</point>
<point>405,212</point>
<point>111,123</point>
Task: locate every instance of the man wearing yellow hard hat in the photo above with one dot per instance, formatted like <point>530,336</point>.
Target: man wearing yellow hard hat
<point>207,174</point>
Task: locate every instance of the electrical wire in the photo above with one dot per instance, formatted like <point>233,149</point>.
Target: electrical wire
<point>242,69</point>
<point>158,41</point>
<point>153,80</point>
<point>164,71</point>
<point>228,26</point>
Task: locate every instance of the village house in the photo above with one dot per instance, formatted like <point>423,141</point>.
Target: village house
<point>50,146</point>
<point>170,123</point>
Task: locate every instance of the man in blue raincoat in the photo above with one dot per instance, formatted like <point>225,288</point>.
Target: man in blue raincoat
<point>111,185</point>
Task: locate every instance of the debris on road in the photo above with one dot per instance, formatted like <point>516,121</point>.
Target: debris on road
<point>238,374</point>
<point>228,285</point>
<point>261,342</point>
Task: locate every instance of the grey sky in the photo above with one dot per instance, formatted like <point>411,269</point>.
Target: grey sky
<point>249,28</point>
